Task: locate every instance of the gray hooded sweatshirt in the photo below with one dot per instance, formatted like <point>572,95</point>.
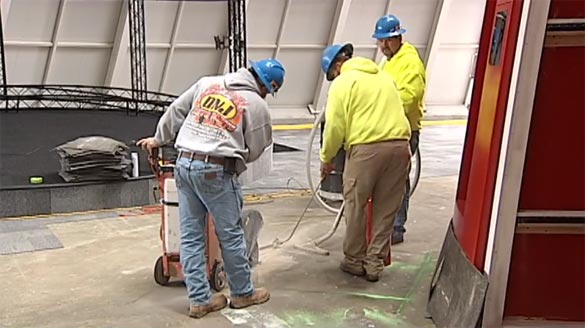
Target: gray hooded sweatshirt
<point>220,116</point>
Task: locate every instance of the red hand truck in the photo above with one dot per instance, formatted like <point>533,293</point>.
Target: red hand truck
<point>168,265</point>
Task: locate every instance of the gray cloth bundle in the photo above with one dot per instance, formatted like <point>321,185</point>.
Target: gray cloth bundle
<point>94,158</point>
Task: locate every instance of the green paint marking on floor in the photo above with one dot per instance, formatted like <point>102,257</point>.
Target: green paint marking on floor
<point>402,266</point>
<point>388,319</point>
<point>342,318</point>
<point>299,319</point>
<point>426,265</point>
<point>380,297</point>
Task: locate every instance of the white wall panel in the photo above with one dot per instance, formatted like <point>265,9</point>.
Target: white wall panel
<point>450,78</point>
<point>264,17</point>
<point>79,66</point>
<point>121,77</point>
<point>25,65</point>
<point>361,20</point>
<point>188,66</point>
<point>31,20</point>
<point>201,21</point>
<point>89,21</point>
<point>155,59</point>
<point>421,51</point>
<point>257,54</point>
<point>416,16</point>
<point>159,17</point>
<point>302,70</point>
<point>365,52</point>
<point>448,83</point>
<point>309,22</point>
<point>464,19</point>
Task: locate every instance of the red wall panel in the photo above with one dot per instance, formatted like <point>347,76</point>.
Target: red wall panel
<point>547,271</point>
<point>545,281</point>
<point>554,173</point>
<point>567,9</point>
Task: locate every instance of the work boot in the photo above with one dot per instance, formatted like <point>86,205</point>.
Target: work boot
<point>217,302</point>
<point>345,267</point>
<point>397,238</point>
<point>372,277</point>
<point>260,295</point>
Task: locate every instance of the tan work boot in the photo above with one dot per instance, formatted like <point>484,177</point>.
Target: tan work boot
<point>347,268</point>
<point>217,302</point>
<point>260,295</point>
<point>373,277</point>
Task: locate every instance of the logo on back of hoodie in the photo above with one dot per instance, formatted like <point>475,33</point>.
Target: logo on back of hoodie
<point>219,108</point>
<point>219,104</point>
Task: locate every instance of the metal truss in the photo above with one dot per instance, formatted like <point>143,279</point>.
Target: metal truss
<point>137,49</point>
<point>237,34</point>
<point>21,97</point>
<point>3,90</point>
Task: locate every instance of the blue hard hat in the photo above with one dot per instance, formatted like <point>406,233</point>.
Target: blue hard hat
<point>388,27</point>
<point>271,73</point>
<point>331,52</point>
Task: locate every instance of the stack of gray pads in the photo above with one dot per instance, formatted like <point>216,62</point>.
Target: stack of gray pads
<point>94,158</point>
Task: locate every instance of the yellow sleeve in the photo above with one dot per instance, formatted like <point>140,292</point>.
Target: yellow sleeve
<point>335,119</point>
<point>411,83</point>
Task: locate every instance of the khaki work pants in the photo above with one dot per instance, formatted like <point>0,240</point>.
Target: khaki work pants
<point>378,170</point>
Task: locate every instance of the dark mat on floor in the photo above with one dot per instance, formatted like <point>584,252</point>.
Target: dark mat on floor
<point>30,235</point>
<point>21,238</point>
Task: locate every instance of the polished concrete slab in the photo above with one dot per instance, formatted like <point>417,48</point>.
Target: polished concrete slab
<point>102,277</point>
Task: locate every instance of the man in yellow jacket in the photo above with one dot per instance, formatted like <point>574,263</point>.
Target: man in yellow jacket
<point>365,115</point>
<point>402,61</point>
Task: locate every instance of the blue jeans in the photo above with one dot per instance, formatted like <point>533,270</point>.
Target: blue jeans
<point>402,214</point>
<point>205,188</point>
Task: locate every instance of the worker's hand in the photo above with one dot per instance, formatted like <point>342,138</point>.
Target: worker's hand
<point>148,144</point>
<point>326,169</point>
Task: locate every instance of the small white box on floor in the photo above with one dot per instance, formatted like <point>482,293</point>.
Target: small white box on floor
<point>172,231</point>
<point>258,169</point>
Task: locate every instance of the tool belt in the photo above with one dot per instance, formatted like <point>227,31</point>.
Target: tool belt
<point>228,163</point>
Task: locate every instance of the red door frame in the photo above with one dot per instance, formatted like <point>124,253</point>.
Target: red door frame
<point>484,137</point>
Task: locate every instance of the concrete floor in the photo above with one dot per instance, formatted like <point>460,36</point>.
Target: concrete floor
<point>103,275</point>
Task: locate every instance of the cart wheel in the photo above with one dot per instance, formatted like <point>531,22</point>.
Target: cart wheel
<point>218,277</point>
<point>159,273</point>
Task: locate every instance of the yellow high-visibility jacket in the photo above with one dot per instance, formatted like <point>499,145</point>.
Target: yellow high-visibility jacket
<point>363,106</point>
<point>408,71</point>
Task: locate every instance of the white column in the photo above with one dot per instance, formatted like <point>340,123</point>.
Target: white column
<point>335,36</point>
<point>281,27</point>
<point>5,8</point>
<point>171,51</point>
<point>119,52</point>
<point>54,39</point>
<point>436,35</point>
<point>512,156</point>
